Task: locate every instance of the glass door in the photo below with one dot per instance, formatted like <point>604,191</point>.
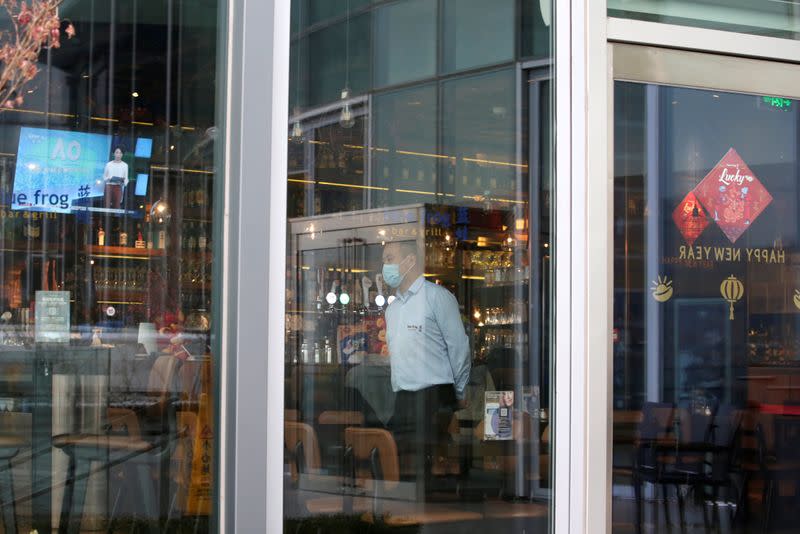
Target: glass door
<point>706,303</point>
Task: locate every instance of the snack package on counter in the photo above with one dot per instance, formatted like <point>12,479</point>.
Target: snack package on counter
<point>376,329</point>
<point>352,343</point>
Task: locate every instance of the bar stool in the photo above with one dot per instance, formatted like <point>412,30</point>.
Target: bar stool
<point>9,448</point>
<point>140,447</point>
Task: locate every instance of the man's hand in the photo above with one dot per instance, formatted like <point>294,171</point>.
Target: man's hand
<point>463,404</point>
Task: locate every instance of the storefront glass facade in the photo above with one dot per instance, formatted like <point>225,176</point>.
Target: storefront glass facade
<point>108,230</point>
<point>706,298</point>
<point>419,325</point>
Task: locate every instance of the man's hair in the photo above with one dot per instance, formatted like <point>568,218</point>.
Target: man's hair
<point>118,147</point>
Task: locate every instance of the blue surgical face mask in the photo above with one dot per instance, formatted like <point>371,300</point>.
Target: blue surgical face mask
<point>391,274</point>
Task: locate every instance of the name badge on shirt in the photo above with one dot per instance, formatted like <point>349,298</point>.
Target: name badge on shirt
<point>414,328</point>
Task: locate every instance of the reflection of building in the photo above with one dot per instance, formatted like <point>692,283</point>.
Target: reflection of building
<point>425,130</point>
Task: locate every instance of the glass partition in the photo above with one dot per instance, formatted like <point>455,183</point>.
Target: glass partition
<point>420,285</point>
<point>706,300</point>
<point>107,233</point>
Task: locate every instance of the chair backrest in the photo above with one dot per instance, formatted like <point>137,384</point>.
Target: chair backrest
<point>376,448</point>
<point>657,420</point>
<point>727,423</point>
<point>787,436</point>
<point>162,375</point>
<point>301,442</point>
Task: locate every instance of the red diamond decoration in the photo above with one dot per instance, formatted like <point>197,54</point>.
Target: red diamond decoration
<point>732,195</point>
<point>690,218</point>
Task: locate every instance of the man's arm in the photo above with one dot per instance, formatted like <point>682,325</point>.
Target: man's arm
<point>449,319</point>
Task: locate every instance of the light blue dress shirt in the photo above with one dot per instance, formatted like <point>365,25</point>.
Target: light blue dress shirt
<point>427,342</point>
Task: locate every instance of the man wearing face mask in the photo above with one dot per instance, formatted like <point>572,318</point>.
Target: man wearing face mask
<point>428,354</point>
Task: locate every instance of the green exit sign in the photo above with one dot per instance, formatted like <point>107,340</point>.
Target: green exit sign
<point>777,102</point>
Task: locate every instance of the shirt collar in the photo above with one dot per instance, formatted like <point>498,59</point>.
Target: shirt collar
<point>412,289</point>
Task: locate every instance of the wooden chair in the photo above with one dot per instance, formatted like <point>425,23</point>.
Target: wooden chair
<point>140,429</point>
<point>375,465</point>
<point>301,443</point>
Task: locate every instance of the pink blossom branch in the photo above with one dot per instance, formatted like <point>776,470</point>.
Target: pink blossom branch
<point>36,27</point>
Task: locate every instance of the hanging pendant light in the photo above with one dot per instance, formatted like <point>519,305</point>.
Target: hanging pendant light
<point>297,129</point>
<point>346,117</point>
<point>297,132</point>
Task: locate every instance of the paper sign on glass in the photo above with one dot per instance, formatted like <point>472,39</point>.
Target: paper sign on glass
<point>498,415</point>
<point>690,218</point>
<point>52,317</point>
<point>732,195</point>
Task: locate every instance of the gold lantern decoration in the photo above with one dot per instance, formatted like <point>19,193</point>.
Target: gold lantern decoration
<point>732,290</point>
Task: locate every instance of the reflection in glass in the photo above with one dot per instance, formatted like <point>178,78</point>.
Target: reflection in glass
<point>705,329</point>
<point>338,57</point>
<point>107,174</point>
<point>419,291</point>
<point>405,42</point>
<point>406,135</point>
<point>478,127</point>
<point>474,36</point>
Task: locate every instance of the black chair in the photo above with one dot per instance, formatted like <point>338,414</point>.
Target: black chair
<point>720,463</point>
<point>657,420</point>
<point>781,466</point>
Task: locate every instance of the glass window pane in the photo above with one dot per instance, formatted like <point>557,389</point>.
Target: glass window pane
<point>479,131</point>
<point>319,11</point>
<point>405,138</point>
<point>537,16</point>
<point>419,305</point>
<point>333,64</point>
<point>774,19</point>
<point>107,237</point>
<point>476,36</point>
<point>405,42</point>
<point>705,304</point>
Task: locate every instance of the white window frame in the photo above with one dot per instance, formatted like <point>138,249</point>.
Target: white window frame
<point>585,300</point>
<point>251,383</point>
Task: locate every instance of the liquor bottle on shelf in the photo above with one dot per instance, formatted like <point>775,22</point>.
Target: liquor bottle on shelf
<point>101,235</point>
<point>202,239</point>
<point>161,237</point>
<point>114,237</point>
<point>304,352</point>
<point>328,349</point>
<point>200,196</point>
<point>123,237</point>
<point>140,242</point>
<point>317,354</point>
<point>191,240</point>
<point>148,227</point>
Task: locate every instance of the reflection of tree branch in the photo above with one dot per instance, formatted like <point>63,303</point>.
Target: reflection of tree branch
<point>209,137</point>
<point>36,27</point>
